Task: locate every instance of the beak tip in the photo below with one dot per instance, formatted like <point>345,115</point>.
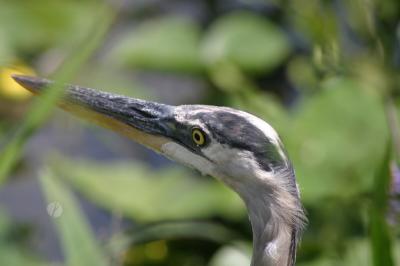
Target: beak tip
<point>33,84</point>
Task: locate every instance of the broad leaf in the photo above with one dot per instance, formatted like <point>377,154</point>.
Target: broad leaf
<point>250,41</point>
<point>149,195</point>
<point>169,43</point>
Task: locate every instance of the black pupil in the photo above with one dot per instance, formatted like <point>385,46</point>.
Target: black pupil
<point>197,136</point>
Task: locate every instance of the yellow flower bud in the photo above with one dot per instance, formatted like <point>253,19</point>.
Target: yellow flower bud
<point>9,88</point>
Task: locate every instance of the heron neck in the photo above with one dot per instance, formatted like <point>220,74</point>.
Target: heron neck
<point>275,222</point>
<point>273,238</point>
<point>275,213</point>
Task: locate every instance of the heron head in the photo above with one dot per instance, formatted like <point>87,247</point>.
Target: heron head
<point>232,145</point>
<point>236,147</point>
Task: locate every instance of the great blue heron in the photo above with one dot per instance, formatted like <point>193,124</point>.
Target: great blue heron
<point>237,148</point>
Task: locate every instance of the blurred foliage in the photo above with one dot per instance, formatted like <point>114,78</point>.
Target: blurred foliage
<point>100,182</point>
<point>154,46</point>
<point>249,41</point>
<point>323,73</point>
<point>346,117</point>
<point>42,109</point>
<point>29,27</point>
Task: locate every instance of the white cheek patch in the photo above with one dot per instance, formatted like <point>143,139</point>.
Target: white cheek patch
<point>218,153</point>
<point>232,162</point>
<point>182,155</point>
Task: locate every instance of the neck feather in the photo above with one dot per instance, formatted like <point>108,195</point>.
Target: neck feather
<point>274,240</point>
<point>277,219</point>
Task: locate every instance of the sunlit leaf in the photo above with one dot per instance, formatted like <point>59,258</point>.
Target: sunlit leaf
<point>169,43</point>
<point>32,26</point>
<point>250,41</point>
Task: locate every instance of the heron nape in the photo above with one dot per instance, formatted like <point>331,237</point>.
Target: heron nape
<point>237,148</point>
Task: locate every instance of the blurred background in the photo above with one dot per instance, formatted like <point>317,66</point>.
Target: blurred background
<point>325,74</point>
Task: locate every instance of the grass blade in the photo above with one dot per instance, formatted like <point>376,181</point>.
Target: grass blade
<point>78,242</point>
<point>43,107</point>
<point>379,229</point>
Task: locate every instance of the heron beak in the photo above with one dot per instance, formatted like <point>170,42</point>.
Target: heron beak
<point>148,123</point>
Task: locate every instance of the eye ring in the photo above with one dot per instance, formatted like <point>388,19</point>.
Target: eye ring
<point>198,137</point>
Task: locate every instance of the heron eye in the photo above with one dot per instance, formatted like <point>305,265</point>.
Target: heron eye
<point>198,137</point>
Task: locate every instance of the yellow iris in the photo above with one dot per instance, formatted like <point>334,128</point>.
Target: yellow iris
<point>198,137</point>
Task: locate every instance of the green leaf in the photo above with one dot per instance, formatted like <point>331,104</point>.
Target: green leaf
<point>170,43</point>
<point>334,139</point>
<point>250,41</point>
<point>79,244</point>
<point>144,194</point>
